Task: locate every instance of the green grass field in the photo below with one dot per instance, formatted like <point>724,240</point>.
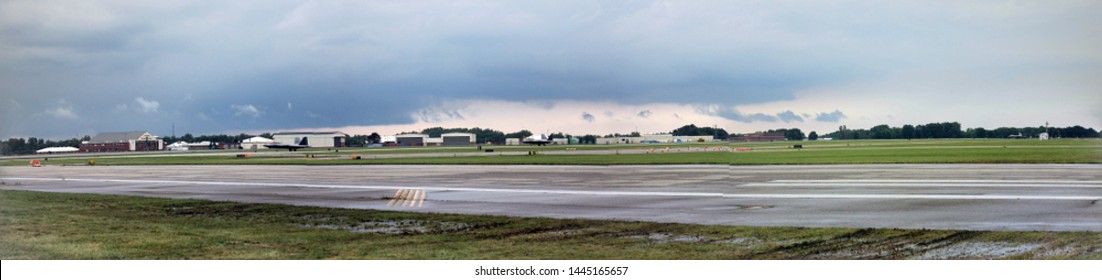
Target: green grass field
<point>474,149</point>
<point>818,152</point>
<point>36,225</point>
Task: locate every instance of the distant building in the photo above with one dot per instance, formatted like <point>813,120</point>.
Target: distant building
<point>431,141</point>
<point>123,142</point>
<point>619,140</point>
<point>669,138</point>
<point>325,139</point>
<point>655,138</point>
<point>759,137</point>
<point>446,139</point>
<point>387,139</point>
<point>201,145</point>
<point>411,140</point>
<point>458,139</point>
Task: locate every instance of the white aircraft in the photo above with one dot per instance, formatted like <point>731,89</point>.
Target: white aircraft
<point>540,140</point>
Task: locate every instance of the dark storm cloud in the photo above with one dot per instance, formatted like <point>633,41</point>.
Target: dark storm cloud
<point>354,63</point>
<point>211,67</point>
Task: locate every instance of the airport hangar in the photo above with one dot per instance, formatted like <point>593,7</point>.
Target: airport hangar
<point>446,139</point>
<point>327,139</point>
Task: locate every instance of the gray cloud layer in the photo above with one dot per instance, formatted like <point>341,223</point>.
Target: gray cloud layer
<point>786,116</point>
<point>830,117</point>
<point>211,67</point>
<point>789,116</point>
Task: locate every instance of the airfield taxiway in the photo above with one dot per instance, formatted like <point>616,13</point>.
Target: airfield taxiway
<point>1049,197</point>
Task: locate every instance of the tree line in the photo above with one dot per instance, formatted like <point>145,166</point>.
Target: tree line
<point>953,130</point>
<point>790,133</point>
<point>693,130</point>
<point>20,146</point>
<point>217,138</point>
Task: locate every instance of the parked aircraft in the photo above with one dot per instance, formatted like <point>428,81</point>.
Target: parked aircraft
<point>540,140</point>
<point>290,147</point>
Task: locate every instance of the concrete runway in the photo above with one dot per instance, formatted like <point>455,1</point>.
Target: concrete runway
<point>1048,197</point>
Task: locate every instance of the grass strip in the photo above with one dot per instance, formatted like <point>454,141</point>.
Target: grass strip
<point>39,225</point>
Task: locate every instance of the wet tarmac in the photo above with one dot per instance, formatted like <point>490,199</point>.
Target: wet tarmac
<point>1049,197</point>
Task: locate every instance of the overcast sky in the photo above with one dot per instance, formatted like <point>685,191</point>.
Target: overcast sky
<point>70,68</point>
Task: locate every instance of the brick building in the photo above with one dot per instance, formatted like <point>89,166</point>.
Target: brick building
<point>122,142</point>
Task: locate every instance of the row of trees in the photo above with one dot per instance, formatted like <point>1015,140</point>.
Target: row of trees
<point>359,140</point>
<point>953,130</point>
<point>793,134</point>
<point>219,138</point>
<point>693,130</point>
<point>20,146</point>
<point>1055,132</point>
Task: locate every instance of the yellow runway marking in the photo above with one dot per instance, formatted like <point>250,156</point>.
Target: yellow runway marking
<point>413,200</point>
<point>422,202</point>
<point>397,197</point>
<point>408,198</point>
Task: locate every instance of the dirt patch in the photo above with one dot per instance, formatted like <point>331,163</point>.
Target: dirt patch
<point>1058,252</point>
<point>667,238</point>
<point>740,241</point>
<point>564,232</point>
<point>980,250</point>
<point>393,227</point>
